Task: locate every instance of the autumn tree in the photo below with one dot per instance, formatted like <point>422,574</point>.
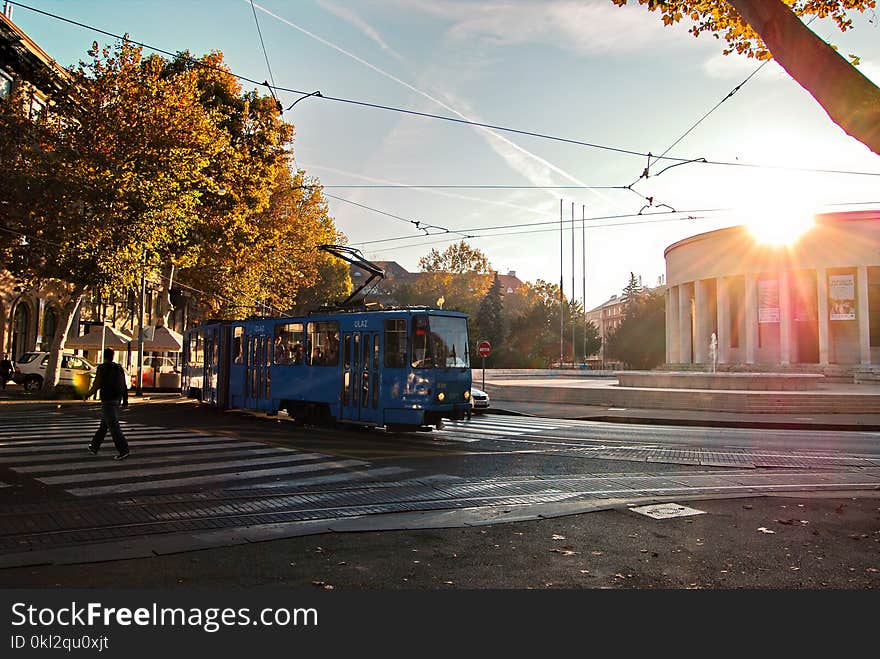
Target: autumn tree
<point>115,170</point>
<point>773,28</point>
<point>640,339</point>
<point>222,252</point>
<point>460,275</point>
<point>533,338</point>
<point>489,320</point>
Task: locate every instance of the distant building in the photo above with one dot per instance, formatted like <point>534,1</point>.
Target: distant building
<point>385,291</point>
<point>816,302</point>
<point>29,316</point>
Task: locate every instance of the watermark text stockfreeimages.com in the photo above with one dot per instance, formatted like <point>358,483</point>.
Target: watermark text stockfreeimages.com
<point>210,619</point>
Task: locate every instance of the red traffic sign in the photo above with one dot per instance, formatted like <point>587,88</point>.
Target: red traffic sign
<point>484,348</point>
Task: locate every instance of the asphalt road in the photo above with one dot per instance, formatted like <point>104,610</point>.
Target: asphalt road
<point>752,543</point>
<point>792,542</point>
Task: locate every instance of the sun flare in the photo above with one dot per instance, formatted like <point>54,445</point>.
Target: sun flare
<point>780,228</point>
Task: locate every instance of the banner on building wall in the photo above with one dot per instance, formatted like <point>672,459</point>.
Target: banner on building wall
<point>768,300</point>
<point>841,297</point>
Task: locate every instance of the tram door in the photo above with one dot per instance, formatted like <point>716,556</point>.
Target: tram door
<point>209,380</point>
<point>360,377</point>
<point>257,347</point>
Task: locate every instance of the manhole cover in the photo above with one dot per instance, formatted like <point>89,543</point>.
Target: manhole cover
<point>667,510</point>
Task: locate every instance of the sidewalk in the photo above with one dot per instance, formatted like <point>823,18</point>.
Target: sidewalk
<point>553,397</point>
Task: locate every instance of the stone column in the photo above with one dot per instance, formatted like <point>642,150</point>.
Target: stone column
<point>784,318</point>
<point>862,315</point>
<point>751,337</point>
<point>723,306</point>
<point>822,313</point>
<point>672,325</point>
<point>701,331</point>
<point>684,324</point>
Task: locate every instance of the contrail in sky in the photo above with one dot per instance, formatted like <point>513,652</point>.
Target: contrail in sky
<point>499,140</point>
<point>440,193</point>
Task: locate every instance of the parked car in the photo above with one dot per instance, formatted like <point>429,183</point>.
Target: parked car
<point>479,400</point>
<point>30,369</point>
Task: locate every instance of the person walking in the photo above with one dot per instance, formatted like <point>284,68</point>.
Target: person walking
<point>111,381</point>
<point>6,369</point>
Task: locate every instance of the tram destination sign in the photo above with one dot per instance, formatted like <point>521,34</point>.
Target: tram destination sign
<point>484,348</point>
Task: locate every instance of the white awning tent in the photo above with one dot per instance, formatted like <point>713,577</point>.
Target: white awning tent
<point>112,338</point>
<point>162,340</point>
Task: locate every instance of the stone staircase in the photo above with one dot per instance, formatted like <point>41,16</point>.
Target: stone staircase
<point>746,402</point>
<point>866,375</point>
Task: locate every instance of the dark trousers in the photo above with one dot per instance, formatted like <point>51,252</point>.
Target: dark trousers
<point>110,419</point>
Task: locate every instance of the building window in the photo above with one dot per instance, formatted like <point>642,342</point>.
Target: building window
<point>5,84</point>
<point>38,109</point>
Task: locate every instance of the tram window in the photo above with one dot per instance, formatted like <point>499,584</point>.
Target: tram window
<point>421,351</point>
<point>324,343</point>
<point>395,343</point>
<point>289,340</point>
<point>237,349</point>
<point>197,350</point>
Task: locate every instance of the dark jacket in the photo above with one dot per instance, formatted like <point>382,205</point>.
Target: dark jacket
<point>111,381</point>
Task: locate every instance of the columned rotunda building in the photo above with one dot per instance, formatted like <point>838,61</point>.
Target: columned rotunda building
<point>814,302</point>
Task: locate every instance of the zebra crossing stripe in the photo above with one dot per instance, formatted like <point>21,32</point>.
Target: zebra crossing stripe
<point>97,463</point>
<point>66,455</point>
<point>114,474</point>
<point>85,436</point>
<point>80,445</point>
<point>141,486</point>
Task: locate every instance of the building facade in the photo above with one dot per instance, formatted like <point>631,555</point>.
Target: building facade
<point>29,314</point>
<point>814,302</point>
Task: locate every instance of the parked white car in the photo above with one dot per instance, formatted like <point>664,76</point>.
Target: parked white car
<point>479,400</point>
<point>30,369</point>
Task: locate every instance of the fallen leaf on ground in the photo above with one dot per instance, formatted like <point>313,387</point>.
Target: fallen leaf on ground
<point>564,552</point>
<point>556,536</point>
<point>763,529</point>
<point>596,553</point>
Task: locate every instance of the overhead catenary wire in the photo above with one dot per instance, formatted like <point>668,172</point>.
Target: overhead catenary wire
<point>418,224</point>
<point>265,55</point>
<point>536,134</point>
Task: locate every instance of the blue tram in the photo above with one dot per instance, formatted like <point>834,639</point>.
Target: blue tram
<point>402,368</point>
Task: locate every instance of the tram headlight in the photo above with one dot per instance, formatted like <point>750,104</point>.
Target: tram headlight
<point>441,396</point>
<point>467,394</point>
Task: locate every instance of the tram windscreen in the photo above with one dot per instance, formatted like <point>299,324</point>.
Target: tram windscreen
<point>443,344</point>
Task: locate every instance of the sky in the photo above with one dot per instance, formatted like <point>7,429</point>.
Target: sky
<point>582,72</point>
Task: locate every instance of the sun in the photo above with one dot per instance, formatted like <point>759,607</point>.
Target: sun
<point>777,211</point>
<point>780,227</point>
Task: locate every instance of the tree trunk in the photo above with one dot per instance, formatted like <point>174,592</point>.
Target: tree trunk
<point>850,99</point>
<point>53,368</point>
